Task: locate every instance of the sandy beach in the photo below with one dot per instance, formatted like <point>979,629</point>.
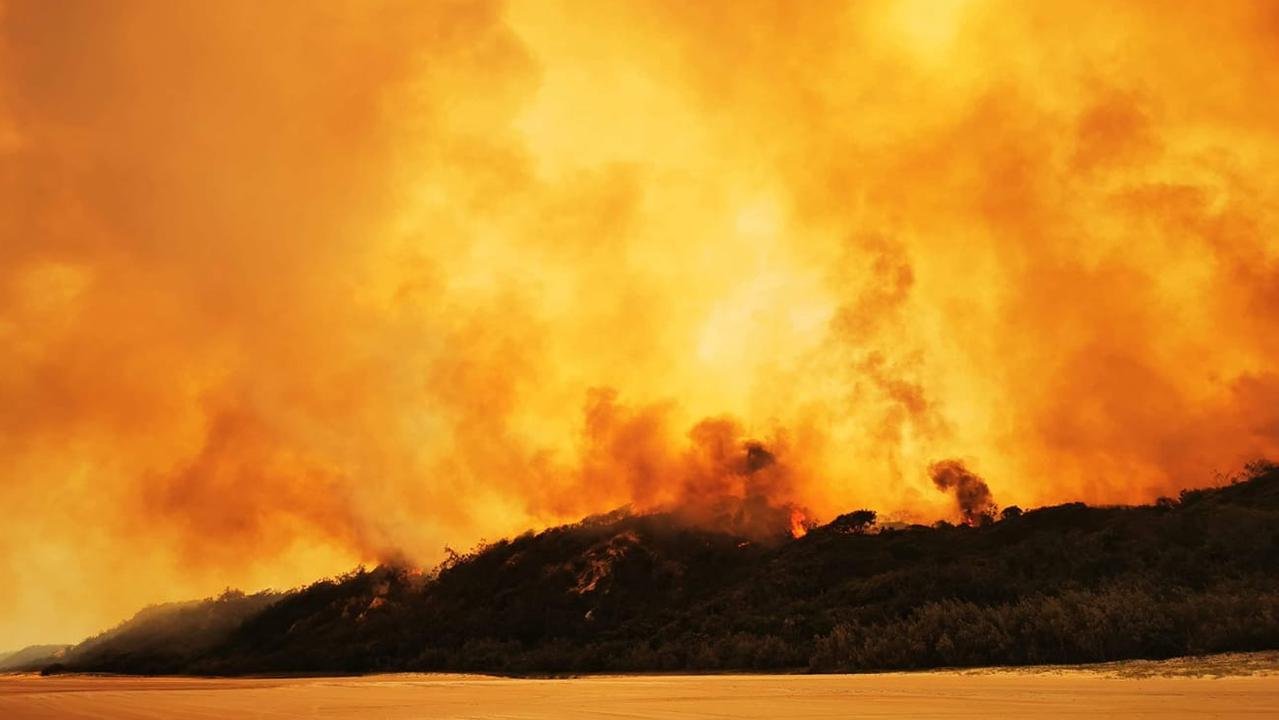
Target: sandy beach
<point>1228,686</point>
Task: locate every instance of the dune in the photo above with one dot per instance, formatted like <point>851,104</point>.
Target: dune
<point>1245,685</point>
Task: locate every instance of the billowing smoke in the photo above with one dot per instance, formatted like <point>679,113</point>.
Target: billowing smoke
<point>972,496</point>
<point>716,476</point>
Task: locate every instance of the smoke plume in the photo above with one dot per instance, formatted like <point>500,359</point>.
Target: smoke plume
<point>972,496</point>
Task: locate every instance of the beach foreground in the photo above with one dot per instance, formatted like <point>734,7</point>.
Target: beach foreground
<point>1227,686</point>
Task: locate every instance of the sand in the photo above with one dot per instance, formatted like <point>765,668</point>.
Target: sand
<point>1237,686</point>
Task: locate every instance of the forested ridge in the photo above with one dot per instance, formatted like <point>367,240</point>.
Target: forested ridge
<point>621,593</point>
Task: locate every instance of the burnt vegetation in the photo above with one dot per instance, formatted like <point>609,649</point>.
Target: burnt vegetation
<point>620,593</point>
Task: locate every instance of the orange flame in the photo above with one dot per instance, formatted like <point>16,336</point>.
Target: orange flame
<point>798,523</point>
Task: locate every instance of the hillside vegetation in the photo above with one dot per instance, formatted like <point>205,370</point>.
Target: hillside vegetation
<point>1065,584</point>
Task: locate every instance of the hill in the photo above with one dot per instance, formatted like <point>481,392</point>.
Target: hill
<point>32,657</point>
<point>1064,584</point>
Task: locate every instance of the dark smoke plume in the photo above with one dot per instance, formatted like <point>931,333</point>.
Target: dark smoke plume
<point>972,495</point>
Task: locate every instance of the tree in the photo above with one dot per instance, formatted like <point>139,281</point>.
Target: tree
<point>853,523</point>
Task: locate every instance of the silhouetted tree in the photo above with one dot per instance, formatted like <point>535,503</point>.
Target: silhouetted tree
<point>855,522</point>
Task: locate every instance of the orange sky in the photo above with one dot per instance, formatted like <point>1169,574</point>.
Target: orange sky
<point>289,286</point>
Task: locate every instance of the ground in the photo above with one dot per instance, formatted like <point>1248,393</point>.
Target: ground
<point>1236,685</point>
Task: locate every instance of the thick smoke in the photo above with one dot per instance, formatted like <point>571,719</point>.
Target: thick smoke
<point>716,477</point>
<point>972,496</point>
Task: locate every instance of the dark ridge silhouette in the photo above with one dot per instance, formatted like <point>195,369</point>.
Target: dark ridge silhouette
<point>161,638</point>
<point>622,592</point>
<point>32,657</point>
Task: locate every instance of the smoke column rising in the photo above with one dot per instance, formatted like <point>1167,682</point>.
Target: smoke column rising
<point>972,496</point>
<point>290,286</point>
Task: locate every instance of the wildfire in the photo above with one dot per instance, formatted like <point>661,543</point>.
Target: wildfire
<point>285,289</point>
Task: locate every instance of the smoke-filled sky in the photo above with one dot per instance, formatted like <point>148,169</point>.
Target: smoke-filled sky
<point>289,286</point>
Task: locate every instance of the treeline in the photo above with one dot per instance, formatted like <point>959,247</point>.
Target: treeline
<point>163,639</point>
<point>1066,584</point>
<point>1077,626</point>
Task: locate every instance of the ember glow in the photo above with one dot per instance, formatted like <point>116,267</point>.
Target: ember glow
<point>798,523</point>
<point>287,287</point>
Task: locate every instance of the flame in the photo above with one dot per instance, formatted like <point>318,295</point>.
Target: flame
<point>286,289</point>
<point>798,523</point>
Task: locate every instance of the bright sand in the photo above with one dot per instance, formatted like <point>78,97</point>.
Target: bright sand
<point>1228,686</point>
